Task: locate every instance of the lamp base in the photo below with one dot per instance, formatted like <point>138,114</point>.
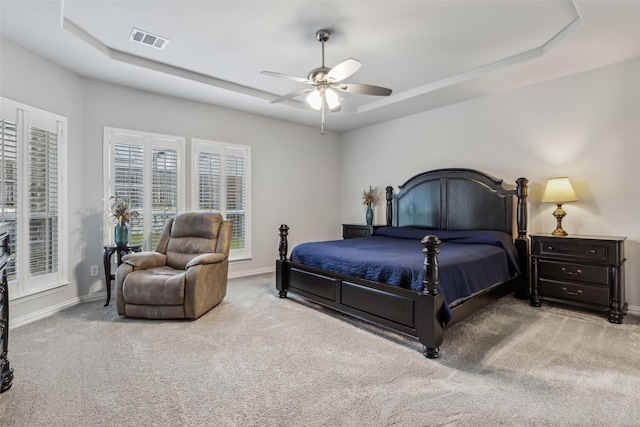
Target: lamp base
<point>559,232</point>
<point>559,213</point>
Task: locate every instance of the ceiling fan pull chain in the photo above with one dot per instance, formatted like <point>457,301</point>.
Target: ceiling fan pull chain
<point>322,118</point>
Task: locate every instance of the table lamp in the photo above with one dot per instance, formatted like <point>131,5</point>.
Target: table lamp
<point>559,191</point>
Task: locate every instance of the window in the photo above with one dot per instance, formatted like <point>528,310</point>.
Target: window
<point>149,170</point>
<point>222,174</point>
<point>31,165</point>
<point>145,168</point>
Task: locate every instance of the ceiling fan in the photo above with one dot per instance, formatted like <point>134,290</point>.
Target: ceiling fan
<point>324,80</point>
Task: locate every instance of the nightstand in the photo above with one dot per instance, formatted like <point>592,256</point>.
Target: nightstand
<point>586,271</point>
<point>350,231</point>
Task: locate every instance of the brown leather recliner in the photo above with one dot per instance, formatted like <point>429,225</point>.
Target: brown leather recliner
<point>185,277</point>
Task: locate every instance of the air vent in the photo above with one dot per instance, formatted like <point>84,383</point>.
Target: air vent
<point>148,39</point>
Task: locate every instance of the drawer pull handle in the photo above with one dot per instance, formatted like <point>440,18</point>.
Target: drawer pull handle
<point>593,251</point>
<point>571,273</point>
<point>571,293</point>
<point>549,248</point>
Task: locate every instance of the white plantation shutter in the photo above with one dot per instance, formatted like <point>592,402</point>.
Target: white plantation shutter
<point>9,185</point>
<point>222,174</point>
<point>235,173</point>
<point>128,182</point>
<point>31,196</point>
<point>209,181</point>
<point>164,189</point>
<point>145,168</point>
<point>43,201</point>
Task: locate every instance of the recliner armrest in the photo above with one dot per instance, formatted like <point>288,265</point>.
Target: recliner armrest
<point>145,260</point>
<point>207,259</point>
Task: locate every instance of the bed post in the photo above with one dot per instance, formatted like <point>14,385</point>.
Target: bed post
<point>522,241</point>
<point>430,302</point>
<point>389,205</point>
<point>283,265</point>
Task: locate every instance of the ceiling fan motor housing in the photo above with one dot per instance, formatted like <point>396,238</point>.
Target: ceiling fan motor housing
<point>318,75</point>
<point>323,35</point>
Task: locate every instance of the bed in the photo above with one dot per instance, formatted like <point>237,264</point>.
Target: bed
<point>443,219</point>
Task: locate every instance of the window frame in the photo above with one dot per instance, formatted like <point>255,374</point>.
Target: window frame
<point>149,141</point>
<point>25,116</point>
<point>199,145</point>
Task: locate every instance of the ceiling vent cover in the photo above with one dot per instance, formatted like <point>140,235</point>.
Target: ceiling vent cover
<point>148,39</point>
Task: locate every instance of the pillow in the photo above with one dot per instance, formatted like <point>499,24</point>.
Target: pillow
<point>405,232</point>
<point>487,237</point>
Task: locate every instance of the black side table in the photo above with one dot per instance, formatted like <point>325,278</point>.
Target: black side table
<point>586,271</point>
<point>106,260</point>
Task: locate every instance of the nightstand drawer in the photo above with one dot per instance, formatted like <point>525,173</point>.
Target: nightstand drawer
<point>573,272</point>
<point>591,251</point>
<point>350,231</point>
<point>574,292</point>
<point>356,232</point>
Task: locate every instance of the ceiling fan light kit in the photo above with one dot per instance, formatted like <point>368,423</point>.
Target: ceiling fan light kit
<point>324,80</point>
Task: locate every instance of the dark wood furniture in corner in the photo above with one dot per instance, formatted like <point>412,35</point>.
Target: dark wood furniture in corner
<point>586,271</point>
<point>6,372</point>
<point>106,262</point>
<point>443,199</point>
<point>350,231</point>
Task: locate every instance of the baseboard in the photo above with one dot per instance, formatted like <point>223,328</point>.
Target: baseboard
<point>41,314</point>
<point>46,312</point>
<point>255,272</point>
<point>632,309</point>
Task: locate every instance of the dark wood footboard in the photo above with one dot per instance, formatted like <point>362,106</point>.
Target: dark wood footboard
<point>403,310</point>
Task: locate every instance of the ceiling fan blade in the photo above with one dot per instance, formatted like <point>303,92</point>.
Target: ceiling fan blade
<point>343,70</point>
<point>363,89</point>
<point>291,95</point>
<point>286,76</point>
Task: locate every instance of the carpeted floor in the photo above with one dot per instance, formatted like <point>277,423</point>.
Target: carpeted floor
<point>257,360</point>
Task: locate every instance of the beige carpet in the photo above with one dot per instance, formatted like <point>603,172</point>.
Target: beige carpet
<point>257,360</point>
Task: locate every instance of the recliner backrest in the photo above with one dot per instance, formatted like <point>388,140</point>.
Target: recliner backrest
<point>188,235</point>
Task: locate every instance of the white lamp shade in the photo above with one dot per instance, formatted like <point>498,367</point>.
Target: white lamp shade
<point>333,101</point>
<point>317,97</point>
<point>314,99</point>
<point>559,190</point>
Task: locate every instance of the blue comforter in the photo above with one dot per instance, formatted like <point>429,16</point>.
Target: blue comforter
<point>469,261</point>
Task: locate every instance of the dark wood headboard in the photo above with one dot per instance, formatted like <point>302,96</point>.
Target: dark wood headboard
<point>464,199</point>
<point>453,199</point>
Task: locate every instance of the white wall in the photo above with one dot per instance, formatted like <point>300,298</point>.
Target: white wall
<point>586,127</point>
<point>293,167</point>
<point>31,80</point>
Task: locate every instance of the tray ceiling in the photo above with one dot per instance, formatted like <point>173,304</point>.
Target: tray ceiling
<point>431,53</point>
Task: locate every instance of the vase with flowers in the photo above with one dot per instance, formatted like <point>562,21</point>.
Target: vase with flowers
<point>121,213</point>
<point>370,198</point>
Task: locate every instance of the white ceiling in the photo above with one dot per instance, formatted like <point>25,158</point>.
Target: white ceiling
<point>431,53</point>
